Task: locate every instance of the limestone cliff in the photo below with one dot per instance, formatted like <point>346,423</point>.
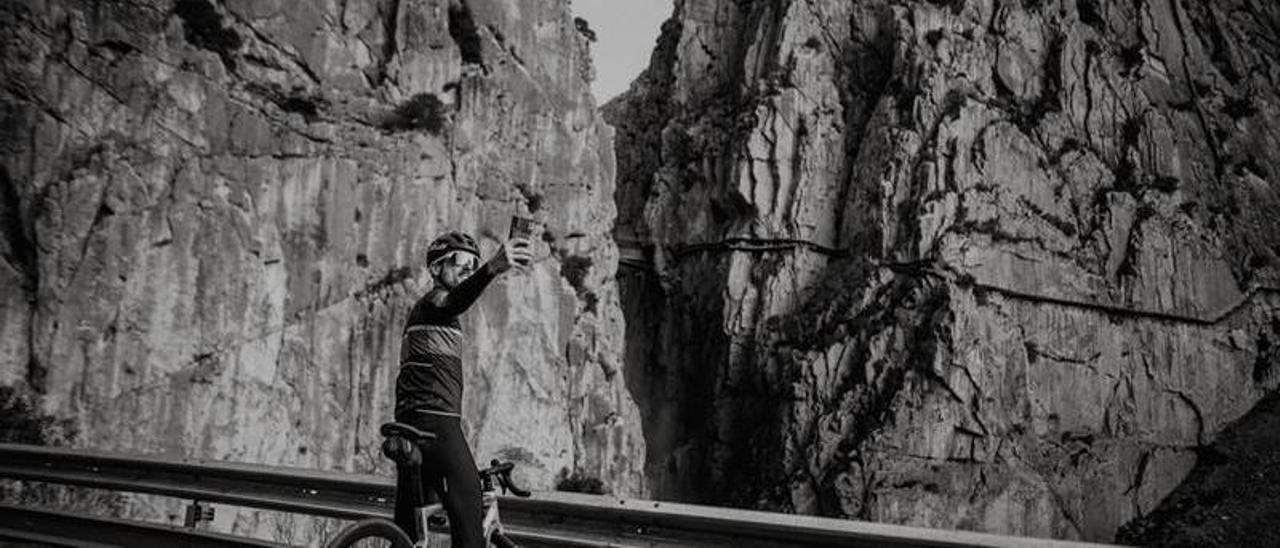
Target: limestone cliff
<point>986,265</point>
<point>215,214</point>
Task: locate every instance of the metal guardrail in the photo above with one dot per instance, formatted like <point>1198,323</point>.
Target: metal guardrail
<point>52,527</point>
<point>547,519</point>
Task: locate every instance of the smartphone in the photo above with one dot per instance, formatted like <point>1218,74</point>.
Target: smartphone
<point>522,227</point>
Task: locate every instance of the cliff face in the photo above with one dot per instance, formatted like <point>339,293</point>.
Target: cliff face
<point>215,216</point>
<point>965,264</point>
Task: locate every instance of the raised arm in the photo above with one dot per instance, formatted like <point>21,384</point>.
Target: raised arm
<point>513,253</point>
<point>460,298</point>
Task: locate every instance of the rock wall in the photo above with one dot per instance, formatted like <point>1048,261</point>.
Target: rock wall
<point>991,266</point>
<point>215,214</point>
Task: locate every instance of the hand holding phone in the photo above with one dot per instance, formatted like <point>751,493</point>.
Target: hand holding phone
<point>514,253</point>
<point>521,227</point>
<point>517,251</point>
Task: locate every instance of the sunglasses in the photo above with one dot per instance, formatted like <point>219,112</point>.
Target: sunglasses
<point>461,259</point>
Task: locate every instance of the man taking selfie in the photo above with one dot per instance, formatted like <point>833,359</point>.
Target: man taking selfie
<point>429,385</point>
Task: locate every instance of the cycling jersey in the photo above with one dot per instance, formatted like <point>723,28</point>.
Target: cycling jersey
<point>430,378</point>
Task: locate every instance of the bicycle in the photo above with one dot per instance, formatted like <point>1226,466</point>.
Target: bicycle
<point>403,445</point>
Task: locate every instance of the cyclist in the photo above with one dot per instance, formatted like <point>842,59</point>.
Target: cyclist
<point>429,385</point>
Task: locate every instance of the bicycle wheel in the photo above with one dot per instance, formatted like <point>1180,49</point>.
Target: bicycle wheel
<point>500,540</point>
<point>371,533</point>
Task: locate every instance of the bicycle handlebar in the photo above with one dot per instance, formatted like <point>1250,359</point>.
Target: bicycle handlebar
<point>497,467</point>
<point>501,471</point>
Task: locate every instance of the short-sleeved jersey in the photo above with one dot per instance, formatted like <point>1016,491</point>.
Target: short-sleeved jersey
<point>430,378</point>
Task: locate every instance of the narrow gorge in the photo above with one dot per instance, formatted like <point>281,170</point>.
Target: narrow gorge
<point>998,266</point>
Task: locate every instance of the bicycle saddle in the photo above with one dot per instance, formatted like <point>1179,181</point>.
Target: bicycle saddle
<point>414,435</point>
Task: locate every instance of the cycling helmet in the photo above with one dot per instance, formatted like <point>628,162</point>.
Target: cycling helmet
<point>450,242</point>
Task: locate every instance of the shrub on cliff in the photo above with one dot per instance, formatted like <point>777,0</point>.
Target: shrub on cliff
<point>584,29</point>
<point>204,28</point>
<point>422,112</point>
<point>22,422</point>
<point>580,483</point>
<point>575,268</point>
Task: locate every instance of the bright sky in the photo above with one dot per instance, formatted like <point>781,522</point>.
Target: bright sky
<point>626,33</point>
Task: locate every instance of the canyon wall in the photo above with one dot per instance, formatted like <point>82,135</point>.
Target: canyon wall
<point>1002,266</point>
<point>215,216</point>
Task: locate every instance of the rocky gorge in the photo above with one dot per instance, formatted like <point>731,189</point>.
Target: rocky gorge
<point>1000,266</point>
<point>1004,266</point>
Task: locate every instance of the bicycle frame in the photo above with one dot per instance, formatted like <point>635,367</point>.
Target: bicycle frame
<point>403,445</point>
<point>492,521</point>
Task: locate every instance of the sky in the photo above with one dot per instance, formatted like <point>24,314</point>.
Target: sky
<point>626,32</point>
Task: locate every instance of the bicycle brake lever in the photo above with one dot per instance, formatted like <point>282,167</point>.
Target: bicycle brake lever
<point>508,484</point>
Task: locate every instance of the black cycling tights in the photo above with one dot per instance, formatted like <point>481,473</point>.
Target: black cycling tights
<point>449,470</point>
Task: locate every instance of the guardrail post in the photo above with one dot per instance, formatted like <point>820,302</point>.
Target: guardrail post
<point>199,515</point>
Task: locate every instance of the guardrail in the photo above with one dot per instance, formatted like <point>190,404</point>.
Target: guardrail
<point>549,518</point>
<point>51,527</point>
